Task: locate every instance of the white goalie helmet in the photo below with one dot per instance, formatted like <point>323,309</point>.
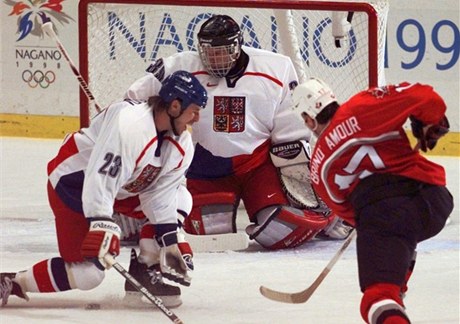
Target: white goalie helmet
<point>312,97</point>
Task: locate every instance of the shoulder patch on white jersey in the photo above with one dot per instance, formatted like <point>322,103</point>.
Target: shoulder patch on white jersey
<point>145,178</point>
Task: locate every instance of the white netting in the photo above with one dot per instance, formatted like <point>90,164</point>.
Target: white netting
<point>123,39</point>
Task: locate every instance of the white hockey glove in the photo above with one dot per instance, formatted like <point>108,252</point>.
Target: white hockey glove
<point>175,257</point>
<point>103,237</point>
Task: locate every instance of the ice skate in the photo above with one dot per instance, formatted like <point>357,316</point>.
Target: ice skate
<point>150,278</point>
<point>9,287</point>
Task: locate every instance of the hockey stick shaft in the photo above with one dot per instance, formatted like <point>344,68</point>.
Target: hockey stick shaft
<point>304,295</point>
<point>136,284</point>
<point>47,27</point>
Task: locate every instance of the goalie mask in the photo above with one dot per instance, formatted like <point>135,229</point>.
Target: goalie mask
<point>312,97</point>
<point>219,45</point>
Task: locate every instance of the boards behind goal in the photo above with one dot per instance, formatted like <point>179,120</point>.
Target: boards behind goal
<point>341,42</point>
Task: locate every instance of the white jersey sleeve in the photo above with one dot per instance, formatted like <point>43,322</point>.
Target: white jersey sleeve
<point>111,162</point>
<point>143,88</point>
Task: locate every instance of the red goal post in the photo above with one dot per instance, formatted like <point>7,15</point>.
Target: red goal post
<point>118,39</point>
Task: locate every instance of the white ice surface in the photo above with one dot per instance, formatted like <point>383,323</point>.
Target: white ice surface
<point>225,285</point>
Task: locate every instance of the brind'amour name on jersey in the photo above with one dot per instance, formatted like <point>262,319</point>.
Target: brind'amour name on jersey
<point>339,133</point>
<point>342,131</point>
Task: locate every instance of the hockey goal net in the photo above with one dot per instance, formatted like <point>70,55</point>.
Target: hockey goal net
<point>341,42</point>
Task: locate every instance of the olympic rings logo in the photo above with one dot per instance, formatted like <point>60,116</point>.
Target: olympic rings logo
<point>38,77</point>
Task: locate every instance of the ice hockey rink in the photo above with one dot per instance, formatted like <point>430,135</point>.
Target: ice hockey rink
<point>225,285</point>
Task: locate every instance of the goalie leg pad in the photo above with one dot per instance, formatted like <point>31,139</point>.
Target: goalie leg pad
<point>280,227</point>
<point>212,213</point>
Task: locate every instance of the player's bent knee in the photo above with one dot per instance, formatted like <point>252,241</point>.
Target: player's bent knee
<point>280,227</point>
<point>382,304</point>
<point>84,275</point>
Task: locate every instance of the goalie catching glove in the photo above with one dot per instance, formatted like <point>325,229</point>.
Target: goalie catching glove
<point>103,237</point>
<point>428,135</point>
<point>175,254</point>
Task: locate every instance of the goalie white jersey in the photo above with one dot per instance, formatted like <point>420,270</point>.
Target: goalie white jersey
<point>244,115</point>
<point>121,158</point>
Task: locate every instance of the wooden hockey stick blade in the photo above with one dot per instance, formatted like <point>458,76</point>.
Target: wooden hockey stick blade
<point>136,284</point>
<point>218,242</point>
<point>304,295</point>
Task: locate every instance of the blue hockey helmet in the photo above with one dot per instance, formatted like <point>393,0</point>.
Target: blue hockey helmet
<point>184,86</point>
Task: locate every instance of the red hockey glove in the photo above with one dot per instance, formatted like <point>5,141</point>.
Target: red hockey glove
<point>428,135</point>
<point>103,237</point>
<point>175,257</point>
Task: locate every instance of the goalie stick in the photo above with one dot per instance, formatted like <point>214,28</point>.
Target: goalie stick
<point>155,300</point>
<point>304,295</point>
<point>47,27</point>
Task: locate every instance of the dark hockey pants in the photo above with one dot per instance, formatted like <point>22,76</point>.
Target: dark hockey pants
<point>393,214</point>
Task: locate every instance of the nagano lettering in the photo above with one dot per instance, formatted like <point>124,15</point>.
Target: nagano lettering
<point>168,35</point>
<point>444,39</point>
<point>35,54</point>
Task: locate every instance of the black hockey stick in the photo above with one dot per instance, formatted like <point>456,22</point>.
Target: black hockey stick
<point>136,284</point>
<point>47,27</point>
<point>304,295</point>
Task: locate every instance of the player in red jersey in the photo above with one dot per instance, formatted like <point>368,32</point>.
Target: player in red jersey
<point>366,171</point>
